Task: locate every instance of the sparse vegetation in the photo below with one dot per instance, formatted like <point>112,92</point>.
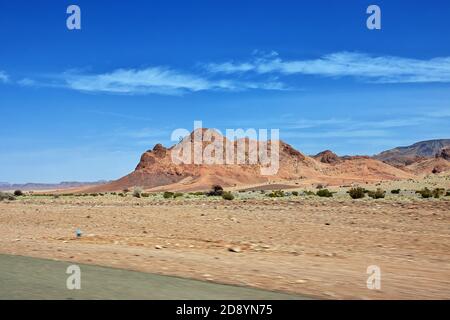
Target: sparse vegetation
<point>216,191</point>
<point>324,193</point>
<point>438,192</point>
<point>309,193</point>
<point>379,194</point>
<point>168,195</point>
<point>227,195</point>
<point>18,193</point>
<point>137,192</point>
<point>295,193</point>
<point>357,193</point>
<point>448,193</point>
<point>145,195</point>
<point>396,191</point>
<point>178,195</point>
<point>198,193</point>
<point>276,194</point>
<point>425,193</point>
<point>6,196</point>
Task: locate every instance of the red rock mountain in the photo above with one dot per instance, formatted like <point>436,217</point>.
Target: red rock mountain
<point>157,171</point>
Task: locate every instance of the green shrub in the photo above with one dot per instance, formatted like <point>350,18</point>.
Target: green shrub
<point>276,194</point>
<point>18,193</point>
<point>357,193</point>
<point>177,194</point>
<point>324,193</point>
<point>379,194</point>
<point>309,193</point>
<point>145,195</point>
<point>295,193</point>
<point>122,194</point>
<point>216,191</point>
<point>396,191</point>
<point>227,196</point>
<point>448,193</point>
<point>168,195</point>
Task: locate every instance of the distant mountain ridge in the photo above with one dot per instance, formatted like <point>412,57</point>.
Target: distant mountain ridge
<point>4,186</point>
<point>402,156</point>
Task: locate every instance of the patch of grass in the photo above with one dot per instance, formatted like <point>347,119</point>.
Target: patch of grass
<point>324,193</point>
<point>227,195</point>
<point>357,193</point>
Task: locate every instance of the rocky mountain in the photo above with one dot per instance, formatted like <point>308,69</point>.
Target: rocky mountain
<point>327,156</point>
<point>157,171</point>
<point>404,156</point>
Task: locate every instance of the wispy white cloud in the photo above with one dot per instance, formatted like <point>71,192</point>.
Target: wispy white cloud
<point>382,69</point>
<point>27,82</point>
<point>4,76</point>
<point>159,80</point>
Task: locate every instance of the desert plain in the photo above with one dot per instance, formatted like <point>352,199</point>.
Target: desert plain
<point>306,245</point>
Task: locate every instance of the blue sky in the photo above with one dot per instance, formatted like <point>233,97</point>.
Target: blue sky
<point>83,105</point>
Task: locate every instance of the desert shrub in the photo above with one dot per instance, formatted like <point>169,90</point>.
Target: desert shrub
<point>448,193</point>
<point>18,193</point>
<point>396,191</point>
<point>216,191</point>
<point>227,195</point>
<point>309,193</point>
<point>438,192</point>
<point>425,193</point>
<point>295,193</point>
<point>122,194</point>
<point>6,196</point>
<point>167,195</point>
<point>276,194</point>
<point>177,194</point>
<point>379,194</point>
<point>94,194</point>
<point>145,195</point>
<point>137,192</point>
<point>198,193</point>
<point>324,193</point>
<point>356,193</point>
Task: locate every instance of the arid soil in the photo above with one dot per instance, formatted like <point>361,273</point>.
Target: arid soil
<point>305,245</point>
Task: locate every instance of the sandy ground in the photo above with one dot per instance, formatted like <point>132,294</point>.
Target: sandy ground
<point>303,245</point>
